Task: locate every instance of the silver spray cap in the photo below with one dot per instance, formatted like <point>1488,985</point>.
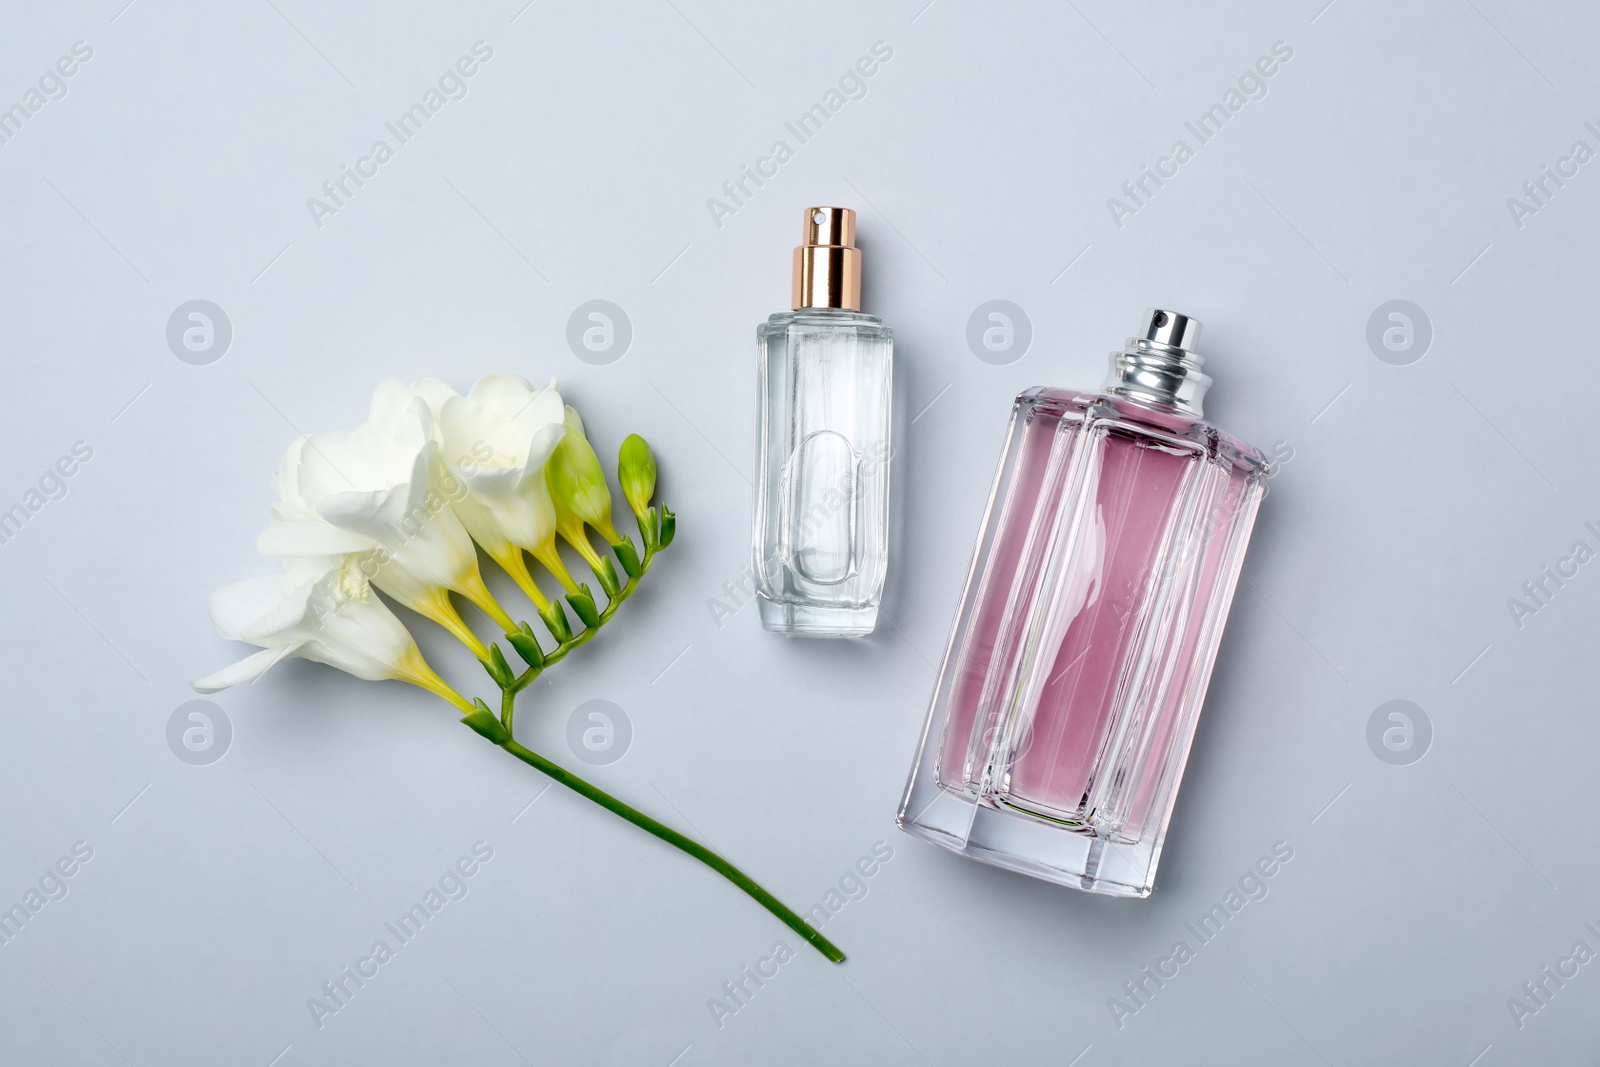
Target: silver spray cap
<point>1160,367</point>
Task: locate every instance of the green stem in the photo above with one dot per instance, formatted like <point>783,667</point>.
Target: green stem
<point>508,699</point>
<point>557,654</point>
<point>677,840</point>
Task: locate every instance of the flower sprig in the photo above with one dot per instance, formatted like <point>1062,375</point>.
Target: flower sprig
<point>398,505</point>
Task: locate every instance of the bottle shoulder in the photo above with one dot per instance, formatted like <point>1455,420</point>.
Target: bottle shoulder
<point>825,318</point>
<point>1093,405</point>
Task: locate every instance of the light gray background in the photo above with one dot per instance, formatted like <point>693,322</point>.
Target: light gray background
<point>1418,500</point>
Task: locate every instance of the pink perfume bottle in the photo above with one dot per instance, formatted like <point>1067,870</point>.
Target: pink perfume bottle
<point>1074,677</point>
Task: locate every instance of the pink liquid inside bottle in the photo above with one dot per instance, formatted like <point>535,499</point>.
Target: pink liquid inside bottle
<point>1070,690</point>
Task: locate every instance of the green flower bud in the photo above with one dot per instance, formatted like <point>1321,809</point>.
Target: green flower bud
<point>636,470</point>
<point>576,479</point>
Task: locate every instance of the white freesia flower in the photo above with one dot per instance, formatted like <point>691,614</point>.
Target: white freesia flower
<point>376,509</point>
<point>320,609</point>
<point>380,490</point>
<point>496,441</point>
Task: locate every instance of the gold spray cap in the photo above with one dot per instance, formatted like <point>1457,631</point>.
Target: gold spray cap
<point>827,265</point>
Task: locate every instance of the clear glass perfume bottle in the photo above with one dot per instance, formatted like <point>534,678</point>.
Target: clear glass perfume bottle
<point>1072,684</point>
<point>822,465</point>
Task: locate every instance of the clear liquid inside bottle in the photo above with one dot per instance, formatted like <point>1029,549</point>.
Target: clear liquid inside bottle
<point>822,492</point>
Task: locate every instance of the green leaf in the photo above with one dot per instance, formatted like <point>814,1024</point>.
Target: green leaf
<point>484,722</point>
<point>498,668</point>
<point>636,470</point>
<point>527,647</point>
<point>556,620</point>
<point>628,556</point>
<point>583,606</point>
<point>669,527</point>
<point>648,528</point>
<point>607,574</point>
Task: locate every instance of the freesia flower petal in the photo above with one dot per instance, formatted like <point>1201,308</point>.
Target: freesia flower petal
<point>539,410</point>
<point>542,447</point>
<point>360,637</point>
<point>248,669</point>
<point>338,461</point>
<point>434,393</point>
<point>235,608</point>
<point>472,438</point>
<point>334,618</point>
<point>366,515</point>
<point>379,490</point>
<point>497,441</point>
<point>502,394</point>
<point>286,483</point>
<point>391,402</point>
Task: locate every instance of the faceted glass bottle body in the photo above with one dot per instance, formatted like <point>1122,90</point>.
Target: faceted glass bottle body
<point>1070,691</point>
<point>822,491</point>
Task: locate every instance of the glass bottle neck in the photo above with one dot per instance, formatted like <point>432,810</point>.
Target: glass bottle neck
<point>1159,375</point>
<point>821,315</point>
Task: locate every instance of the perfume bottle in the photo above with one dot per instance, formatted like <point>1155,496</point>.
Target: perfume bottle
<point>822,463</point>
<point>1073,680</point>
